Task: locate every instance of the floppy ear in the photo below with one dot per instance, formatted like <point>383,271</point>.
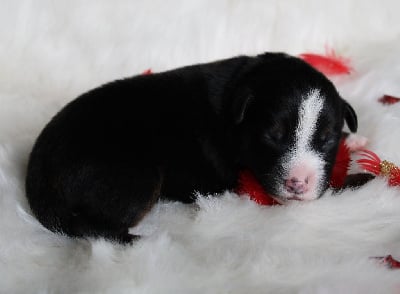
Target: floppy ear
<point>220,78</point>
<point>240,105</point>
<point>350,117</point>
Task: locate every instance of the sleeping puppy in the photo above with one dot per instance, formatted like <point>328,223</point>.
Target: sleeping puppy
<point>103,161</point>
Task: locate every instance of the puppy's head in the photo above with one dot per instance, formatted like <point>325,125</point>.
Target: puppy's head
<point>289,120</point>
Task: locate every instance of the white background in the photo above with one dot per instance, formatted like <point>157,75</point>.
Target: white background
<point>51,51</point>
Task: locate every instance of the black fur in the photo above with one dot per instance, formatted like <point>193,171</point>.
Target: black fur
<point>108,156</point>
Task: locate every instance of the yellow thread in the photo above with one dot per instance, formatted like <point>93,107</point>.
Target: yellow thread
<point>387,167</point>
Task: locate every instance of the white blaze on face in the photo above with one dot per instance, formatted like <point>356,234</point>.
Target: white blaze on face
<point>301,162</point>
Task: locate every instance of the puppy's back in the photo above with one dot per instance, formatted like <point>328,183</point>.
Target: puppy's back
<point>95,168</point>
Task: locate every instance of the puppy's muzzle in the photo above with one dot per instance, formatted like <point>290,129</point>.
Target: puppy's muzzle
<point>296,186</point>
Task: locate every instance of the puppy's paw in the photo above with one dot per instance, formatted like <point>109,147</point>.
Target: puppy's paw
<point>356,142</point>
<point>128,239</point>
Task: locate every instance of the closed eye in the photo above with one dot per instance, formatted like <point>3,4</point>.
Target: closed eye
<point>327,137</point>
<point>276,133</point>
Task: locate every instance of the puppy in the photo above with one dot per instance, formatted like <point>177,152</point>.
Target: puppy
<point>103,161</point>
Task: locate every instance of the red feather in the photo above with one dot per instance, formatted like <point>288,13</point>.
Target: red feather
<point>394,179</point>
<point>388,100</point>
<point>328,64</point>
<point>248,185</point>
<point>342,163</point>
<point>371,162</point>
<point>389,261</point>
<point>147,72</point>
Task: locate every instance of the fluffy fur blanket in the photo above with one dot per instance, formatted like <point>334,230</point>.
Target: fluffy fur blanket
<point>51,51</point>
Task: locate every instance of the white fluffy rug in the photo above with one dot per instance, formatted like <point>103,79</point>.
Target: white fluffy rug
<point>51,51</point>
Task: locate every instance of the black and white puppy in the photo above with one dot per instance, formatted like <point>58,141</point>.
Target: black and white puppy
<point>103,161</point>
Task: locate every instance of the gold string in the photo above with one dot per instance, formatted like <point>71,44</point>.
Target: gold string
<point>387,167</point>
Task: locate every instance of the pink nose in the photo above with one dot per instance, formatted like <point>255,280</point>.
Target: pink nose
<point>296,186</point>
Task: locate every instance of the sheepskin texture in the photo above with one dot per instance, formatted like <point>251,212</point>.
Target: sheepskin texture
<point>51,51</point>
